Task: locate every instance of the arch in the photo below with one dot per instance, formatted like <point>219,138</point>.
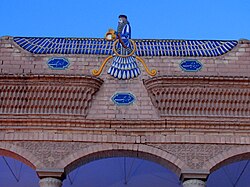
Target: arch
<point>19,153</point>
<point>227,157</point>
<point>100,151</point>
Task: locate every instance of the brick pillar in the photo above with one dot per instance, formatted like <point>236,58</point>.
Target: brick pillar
<point>50,182</point>
<point>194,183</point>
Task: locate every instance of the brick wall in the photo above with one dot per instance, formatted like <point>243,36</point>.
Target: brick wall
<point>139,128</point>
<point>14,60</point>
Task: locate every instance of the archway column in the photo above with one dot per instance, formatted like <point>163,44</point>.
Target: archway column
<point>50,182</point>
<point>50,177</point>
<point>194,183</point>
<point>194,178</point>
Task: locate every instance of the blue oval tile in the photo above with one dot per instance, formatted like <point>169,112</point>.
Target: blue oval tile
<point>191,65</point>
<point>123,98</point>
<point>58,63</point>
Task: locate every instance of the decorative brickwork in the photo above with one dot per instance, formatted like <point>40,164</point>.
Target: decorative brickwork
<point>191,121</point>
<point>200,96</point>
<point>235,154</point>
<point>19,153</point>
<point>50,153</point>
<point>194,155</point>
<point>47,94</point>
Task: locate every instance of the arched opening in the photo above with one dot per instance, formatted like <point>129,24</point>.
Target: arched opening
<point>121,171</point>
<point>99,161</point>
<point>232,175</point>
<point>16,171</point>
<point>98,152</point>
<point>231,172</point>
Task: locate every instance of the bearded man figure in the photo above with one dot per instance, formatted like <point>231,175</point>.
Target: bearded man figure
<point>124,64</point>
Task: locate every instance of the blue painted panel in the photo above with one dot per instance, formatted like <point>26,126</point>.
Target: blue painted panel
<point>123,98</point>
<point>58,63</point>
<point>191,65</point>
<point>197,48</point>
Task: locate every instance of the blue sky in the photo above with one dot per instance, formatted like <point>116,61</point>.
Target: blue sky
<point>150,19</point>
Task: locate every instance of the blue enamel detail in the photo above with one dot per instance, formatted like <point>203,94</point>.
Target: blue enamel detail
<point>99,46</point>
<point>124,68</point>
<point>58,63</point>
<point>123,98</point>
<point>191,65</point>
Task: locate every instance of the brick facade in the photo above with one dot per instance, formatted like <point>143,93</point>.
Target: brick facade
<point>190,122</point>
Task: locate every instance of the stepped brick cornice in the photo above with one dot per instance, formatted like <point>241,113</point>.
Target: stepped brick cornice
<point>47,94</point>
<point>200,96</point>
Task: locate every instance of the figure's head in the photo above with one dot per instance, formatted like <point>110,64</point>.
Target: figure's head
<point>122,22</point>
<point>122,18</point>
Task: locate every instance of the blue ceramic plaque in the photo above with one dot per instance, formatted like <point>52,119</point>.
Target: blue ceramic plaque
<point>123,98</point>
<point>191,65</point>
<point>58,63</point>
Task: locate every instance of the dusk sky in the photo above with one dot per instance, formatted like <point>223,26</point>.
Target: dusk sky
<point>149,19</point>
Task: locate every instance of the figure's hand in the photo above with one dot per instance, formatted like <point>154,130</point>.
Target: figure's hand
<point>110,35</point>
